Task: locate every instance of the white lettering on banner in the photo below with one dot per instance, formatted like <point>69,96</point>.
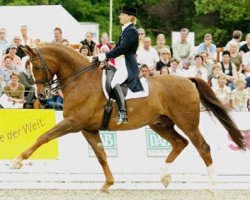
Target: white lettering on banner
<point>109,143</point>
<point>156,145</point>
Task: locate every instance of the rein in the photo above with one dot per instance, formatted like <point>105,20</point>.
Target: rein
<point>47,83</point>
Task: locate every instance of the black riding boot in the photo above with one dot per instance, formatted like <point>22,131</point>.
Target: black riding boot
<point>120,99</point>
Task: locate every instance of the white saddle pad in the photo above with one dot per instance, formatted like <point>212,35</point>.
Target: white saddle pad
<point>130,94</point>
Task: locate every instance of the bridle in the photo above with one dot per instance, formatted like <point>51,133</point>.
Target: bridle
<point>45,69</point>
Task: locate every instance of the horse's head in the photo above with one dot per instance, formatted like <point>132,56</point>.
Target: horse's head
<point>42,73</point>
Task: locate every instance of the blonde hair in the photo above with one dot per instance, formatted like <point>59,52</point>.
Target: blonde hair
<point>208,35</point>
<point>216,66</point>
<point>14,73</point>
<point>222,76</point>
<point>240,80</point>
<point>160,36</point>
<point>133,19</point>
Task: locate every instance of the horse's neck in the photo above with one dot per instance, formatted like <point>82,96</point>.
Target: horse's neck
<point>71,78</point>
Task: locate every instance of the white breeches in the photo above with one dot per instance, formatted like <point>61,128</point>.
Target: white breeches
<point>121,73</point>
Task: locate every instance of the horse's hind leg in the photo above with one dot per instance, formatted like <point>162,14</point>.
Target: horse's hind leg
<point>62,128</point>
<point>178,143</point>
<point>95,141</point>
<point>204,150</point>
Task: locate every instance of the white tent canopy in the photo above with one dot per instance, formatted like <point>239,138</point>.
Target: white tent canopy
<point>41,21</point>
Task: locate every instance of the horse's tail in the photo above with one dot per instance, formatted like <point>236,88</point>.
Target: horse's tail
<point>213,104</point>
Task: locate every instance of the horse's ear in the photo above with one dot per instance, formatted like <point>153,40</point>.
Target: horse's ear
<point>27,49</point>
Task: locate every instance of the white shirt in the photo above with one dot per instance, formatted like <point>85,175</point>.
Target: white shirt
<point>221,93</point>
<point>126,25</point>
<point>194,71</point>
<point>149,57</point>
<point>246,61</point>
<point>178,72</point>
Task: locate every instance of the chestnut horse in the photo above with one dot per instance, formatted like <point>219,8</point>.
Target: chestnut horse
<point>172,100</point>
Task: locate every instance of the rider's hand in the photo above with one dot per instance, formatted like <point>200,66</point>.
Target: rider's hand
<point>101,57</point>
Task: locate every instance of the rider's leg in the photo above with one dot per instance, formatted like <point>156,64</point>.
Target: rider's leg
<point>120,99</point>
<point>120,76</point>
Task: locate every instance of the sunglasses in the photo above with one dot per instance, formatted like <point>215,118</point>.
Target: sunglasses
<point>141,33</point>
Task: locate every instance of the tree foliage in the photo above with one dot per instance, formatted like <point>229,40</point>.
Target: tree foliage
<point>218,17</point>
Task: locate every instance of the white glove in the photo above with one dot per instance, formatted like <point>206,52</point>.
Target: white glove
<point>101,57</point>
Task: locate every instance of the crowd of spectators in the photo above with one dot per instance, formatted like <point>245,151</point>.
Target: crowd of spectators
<point>229,77</point>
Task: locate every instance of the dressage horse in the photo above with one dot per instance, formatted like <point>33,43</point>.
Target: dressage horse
<point>172,100</point>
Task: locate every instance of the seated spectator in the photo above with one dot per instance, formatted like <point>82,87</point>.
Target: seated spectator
<point>237,35</point>
<point>104,49</point>
<point>216,71</point>
<point>222,91</point>
<point>25,39</point>
<point>235,57</point>
<point>147,55</point>
<point>174,67</point>
<point>208,46</point>
<point>245,47</point>
<point>85,51</point>
<point>160,41</point>
<point>164,71</point>
<point>4,43</point>
<point>208,63</point>
<point>229,69</point>
<point>7,69</point>
<point>65,42</point>
<point>240,96</point>
<point>142,35</point>
<point>20,53</point>
<point>165,58</point>
<point>246,67</point>
<point>90,43</point>
<point>15,90</point>
<point>182,49</point>
<point>12,54</point>
<point>36,42</point>
<point>144,71</point>
<point>56,99</point>
<point>58,35</point>
<point>26,78</point>
<point>104,41</point>
<point>1,85</point>
<point>197,70</point>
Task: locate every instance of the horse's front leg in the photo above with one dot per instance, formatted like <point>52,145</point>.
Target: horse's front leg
<point>62,128</point>
<point>95,142</point>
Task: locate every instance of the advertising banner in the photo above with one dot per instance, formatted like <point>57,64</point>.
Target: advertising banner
<point>20,129</point>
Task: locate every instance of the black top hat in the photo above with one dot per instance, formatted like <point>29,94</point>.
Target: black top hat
<point>129,10</point>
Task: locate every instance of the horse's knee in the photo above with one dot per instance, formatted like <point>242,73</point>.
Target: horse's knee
<point>181,143</point>
<point>43,139</point>
<point>184,142</point>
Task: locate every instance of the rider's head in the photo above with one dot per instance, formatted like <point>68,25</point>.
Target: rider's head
<point>128,14</point>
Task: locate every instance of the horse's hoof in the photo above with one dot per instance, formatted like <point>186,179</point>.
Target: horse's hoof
<point>166,180</point>
<point>103,191</point>
<point>16,164</point>
<point>210,191</point>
